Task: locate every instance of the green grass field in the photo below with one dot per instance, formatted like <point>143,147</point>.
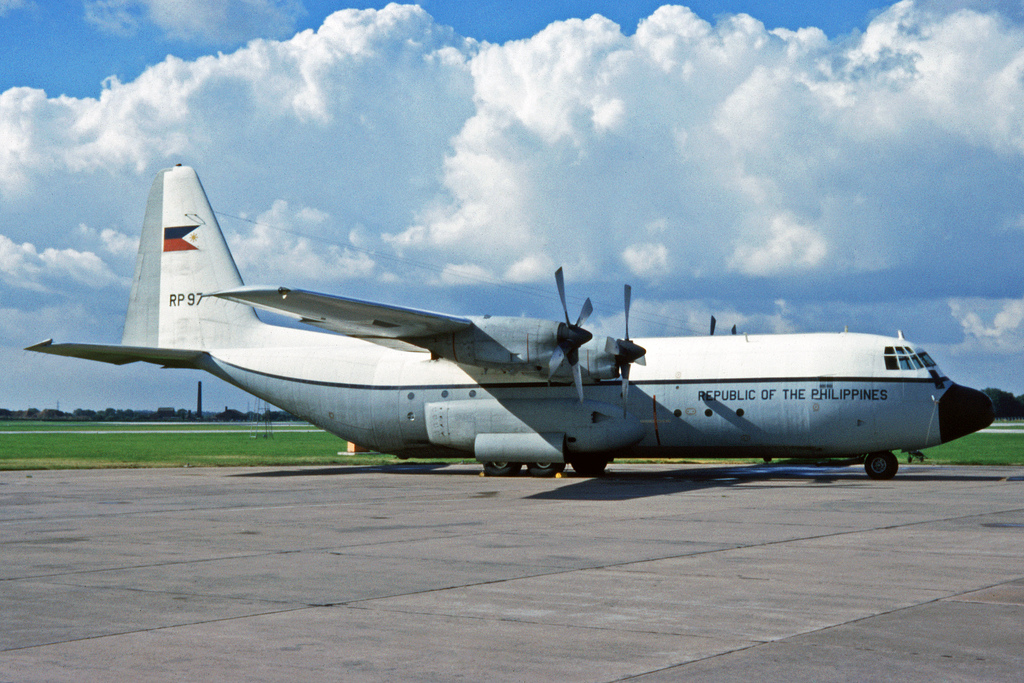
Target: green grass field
<point>62,445</point>
<point>82,445</point>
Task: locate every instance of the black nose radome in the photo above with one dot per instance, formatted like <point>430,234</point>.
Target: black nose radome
<point>963,411</point>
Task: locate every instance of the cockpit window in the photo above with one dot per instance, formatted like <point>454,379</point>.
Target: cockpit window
<point>904,358</point>
<point>926,359</point>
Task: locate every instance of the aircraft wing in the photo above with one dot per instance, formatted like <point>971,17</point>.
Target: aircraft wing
<point>381,323</point>
<point>121,355</point>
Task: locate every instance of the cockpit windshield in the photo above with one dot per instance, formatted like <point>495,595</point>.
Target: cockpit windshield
<point>905,358</point>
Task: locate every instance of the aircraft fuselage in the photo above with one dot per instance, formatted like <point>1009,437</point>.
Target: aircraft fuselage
<point>804,395</point>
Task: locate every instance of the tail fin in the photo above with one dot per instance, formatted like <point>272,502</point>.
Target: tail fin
<point>182,256</point>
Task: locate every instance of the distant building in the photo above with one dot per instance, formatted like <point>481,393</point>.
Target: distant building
<point>231,415</point>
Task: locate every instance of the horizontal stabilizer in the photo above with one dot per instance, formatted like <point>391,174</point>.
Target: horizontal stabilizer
<point>120,355</point>
<point>352,317</point>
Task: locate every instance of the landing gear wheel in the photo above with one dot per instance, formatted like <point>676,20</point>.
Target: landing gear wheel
<point>589,467</point>
<point>881,465</point>
<point>544,469</point>
<point>502,469</point>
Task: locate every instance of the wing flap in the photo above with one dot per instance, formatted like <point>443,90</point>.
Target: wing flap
<point>351,317</point>
<point>121,355</point>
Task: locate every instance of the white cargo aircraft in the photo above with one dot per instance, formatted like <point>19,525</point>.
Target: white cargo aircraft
<point>520,391</point>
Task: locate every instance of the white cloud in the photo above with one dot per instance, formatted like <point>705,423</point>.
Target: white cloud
<point>649,259</point>
<point>993,326</point>
<point>276,247</point>
<point>788,245</point>
<point>25,267</point>
<point>113,242</point>
<point>118,243</point>
<point>207,21</point>
<point>531,268</point>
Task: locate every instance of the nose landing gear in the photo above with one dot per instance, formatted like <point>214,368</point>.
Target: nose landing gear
<point>881,465</point>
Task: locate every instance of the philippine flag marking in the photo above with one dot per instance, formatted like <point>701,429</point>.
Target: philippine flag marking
<point>180,238</point>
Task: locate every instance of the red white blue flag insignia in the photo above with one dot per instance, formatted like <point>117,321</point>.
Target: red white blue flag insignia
<point>180,238</point>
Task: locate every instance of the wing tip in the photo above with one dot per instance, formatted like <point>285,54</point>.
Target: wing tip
<point>40,346</point>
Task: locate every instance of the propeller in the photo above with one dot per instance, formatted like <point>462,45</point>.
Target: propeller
<point>570,338</point>
<point>626,352</point>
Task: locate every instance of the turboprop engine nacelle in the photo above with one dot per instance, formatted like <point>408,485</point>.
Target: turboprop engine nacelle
<point>529,430</point>
<point>520,345</point>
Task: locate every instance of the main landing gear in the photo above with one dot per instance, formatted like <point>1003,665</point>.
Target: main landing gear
<point>511,469</point>
<point>502,469</point>
<point>881,465</point>
<point>585,467</point>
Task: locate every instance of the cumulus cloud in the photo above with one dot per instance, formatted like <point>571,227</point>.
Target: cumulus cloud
<point>797,155</point>
<point>206,21</point>
<point>25,267</point>
<point>787,245</point>
<point>112,241</point>
<point>994,326</point>
<point>647,259</point>
<point>276,247</point>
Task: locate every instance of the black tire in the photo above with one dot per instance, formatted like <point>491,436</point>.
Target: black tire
<point>881,465</point>
<point>544,469</point>
<point>502,469</point>
<point>589,467</point>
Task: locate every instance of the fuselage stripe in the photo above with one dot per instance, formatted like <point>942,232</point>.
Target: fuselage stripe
<point>652,383</point>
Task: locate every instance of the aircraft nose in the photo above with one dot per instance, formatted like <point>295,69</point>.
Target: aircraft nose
<point>963,411</point>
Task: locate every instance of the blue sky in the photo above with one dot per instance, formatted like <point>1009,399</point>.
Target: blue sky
<point>803,168</point>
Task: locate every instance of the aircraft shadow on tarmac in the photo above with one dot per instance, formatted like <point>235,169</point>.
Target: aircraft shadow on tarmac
<point>404,468</point>
<point>637,484</point>
<point>626,484</point>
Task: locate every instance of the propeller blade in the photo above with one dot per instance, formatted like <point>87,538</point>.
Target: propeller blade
<point>628,292</point>
<point>585,312</point>
<point>625,388</point>
<point>578,378</point>
<point>570,337</point>
<point>626,352</point>
<point>713,321</point>
<point>560,281</point>
<point>734,329</point>
<point>556,361</point>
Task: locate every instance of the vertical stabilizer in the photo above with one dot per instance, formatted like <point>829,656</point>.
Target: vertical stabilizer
<point>182,256</point>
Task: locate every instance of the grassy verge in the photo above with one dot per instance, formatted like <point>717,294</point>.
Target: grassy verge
<point>58,449</point>
<point>56,445</point>
<point>7,426</point>
<point>979,449</point>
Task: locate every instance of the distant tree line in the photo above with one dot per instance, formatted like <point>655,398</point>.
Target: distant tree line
<point>129,415</point>
<point>1006,404</point>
